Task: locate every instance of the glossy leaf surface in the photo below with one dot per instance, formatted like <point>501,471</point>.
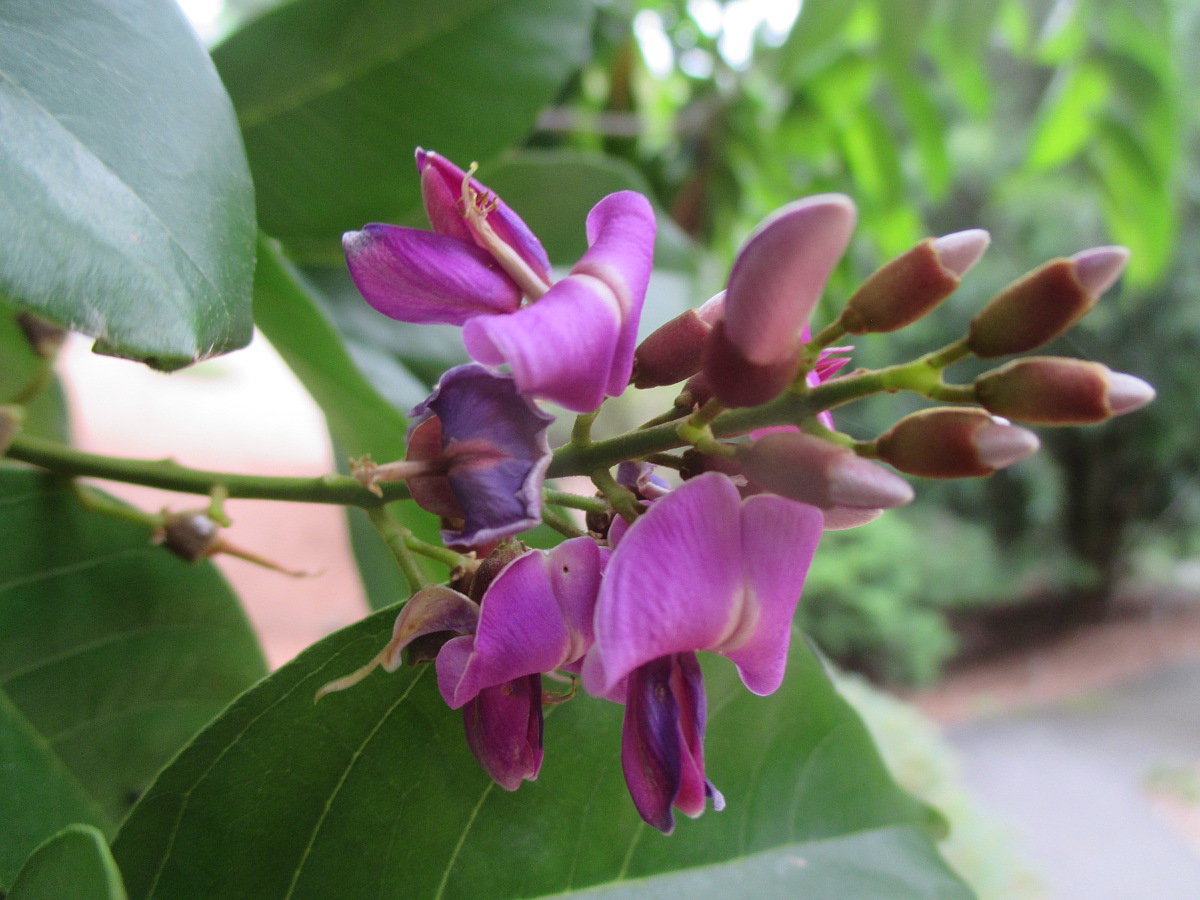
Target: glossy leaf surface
<point>75,863</point>
<point>334,95</point>
<point>115,651</point>
<point>372,792</point>
<point>127,205</point>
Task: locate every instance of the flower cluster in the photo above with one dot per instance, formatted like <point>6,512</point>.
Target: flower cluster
<point>716,563</point>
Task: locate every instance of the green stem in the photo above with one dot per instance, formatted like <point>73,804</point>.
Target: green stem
<point>444,555</point>
<point>90,498</point>
<point>560,523</point>
<point>169,475</point>
<point>574,501</point>
<point>623,500</point>
<point>581,431</point>
<point>396,537</point>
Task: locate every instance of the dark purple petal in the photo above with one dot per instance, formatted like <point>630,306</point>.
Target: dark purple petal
<point>620,232</point>
<point>662,741</point>
<point>650,750</point>
<point>536,617</point>
<point>429,611</point>
<point>504,730</point>
<point>426,278</point>
<point>495,441</point>
<point>441,189</point>
<point>560,348</point>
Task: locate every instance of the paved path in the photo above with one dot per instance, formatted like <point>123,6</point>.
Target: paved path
<point>1070,780</point>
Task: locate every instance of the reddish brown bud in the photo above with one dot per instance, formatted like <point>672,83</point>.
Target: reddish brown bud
<point>912,284</point>
<point>1051,390</point>
<point>953,442</point>
<point>45,338</point>
<point>675,351</point>
<point>192,536</point>
<point>737,381</point>
<point>1044,303</point>
<point>811,470</point>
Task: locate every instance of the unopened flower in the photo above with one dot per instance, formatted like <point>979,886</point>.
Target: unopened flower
<point>1051,390</point>
<point>754,350</point>
<point>1044,303</point>
<point>954,442</point>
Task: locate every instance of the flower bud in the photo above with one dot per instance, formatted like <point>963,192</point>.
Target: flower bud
<point>44,337</point>
<point>1044,303</point>
<point>1050,390</point>
<point>815,471</point>
<point>675,351</point>
<point>912,284</point>
<point>11,419</point>
<point>192,536</point>
<point>753,353</point>
<point>954,442</point>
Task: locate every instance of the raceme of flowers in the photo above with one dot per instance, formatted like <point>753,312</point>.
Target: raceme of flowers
<point>718,562</point>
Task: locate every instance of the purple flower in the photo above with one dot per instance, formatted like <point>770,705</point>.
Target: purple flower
<point>573,343</point>
<point>702,569</point>
<point>492,440</point>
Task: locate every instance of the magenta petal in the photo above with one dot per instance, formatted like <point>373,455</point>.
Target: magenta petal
<point>674,584</point>
<point>535,617</point>
<point>441,189</point>
<point>780,273</point>
<point>426,278</point>
<point>560,348</point>
<point>504,730</point>
<point>620,232</point>
<point>779,538</point>
<point>494,440</point>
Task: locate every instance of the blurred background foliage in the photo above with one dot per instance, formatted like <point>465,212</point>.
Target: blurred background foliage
<point>1055,124</point>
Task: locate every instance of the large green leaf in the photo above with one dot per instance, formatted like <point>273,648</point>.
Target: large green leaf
<point>75,863</point>
<point>372,793</point>
<point>40,795</point>
<point>334,95</point>
<point>114,650</point>
<point>127,205</point>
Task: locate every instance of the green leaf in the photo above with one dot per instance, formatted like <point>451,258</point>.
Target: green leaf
<point>115,651</point>
<point>372,792</point>
<point>334,95</point>
<point>1067,118</point>
<point>49,798</point>
<point>128,211</point>
<point>75,863</point>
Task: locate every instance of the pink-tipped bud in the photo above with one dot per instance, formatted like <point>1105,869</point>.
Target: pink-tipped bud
<point>777,279</point>
<point>11,419</point>
<point>811,470</point>
<point>953,442</point>
<point>675,351</point>
<point>1050,390</point>
<point>913,283</point>
<point>1044,303</point>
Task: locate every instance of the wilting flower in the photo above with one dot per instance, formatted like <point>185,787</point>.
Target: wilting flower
<point>573,342</point>
<point>702,569</point>
<point>491,442</point>
<point>534,617</point>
